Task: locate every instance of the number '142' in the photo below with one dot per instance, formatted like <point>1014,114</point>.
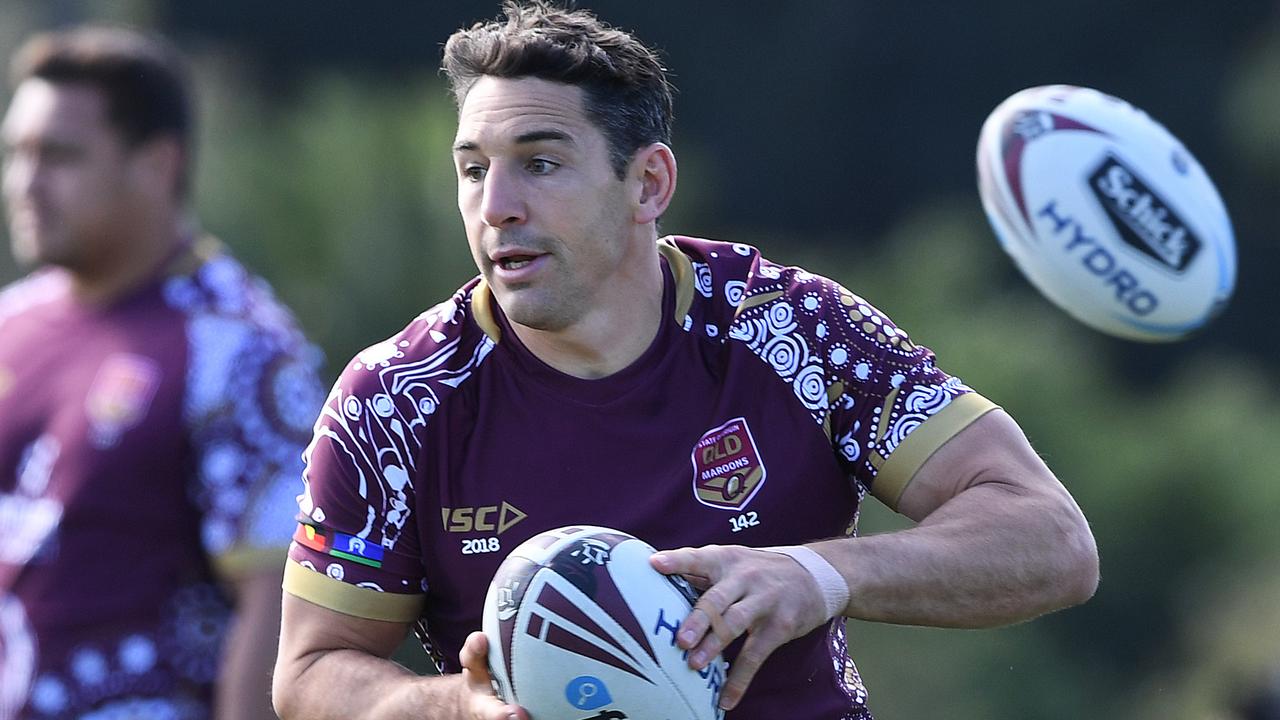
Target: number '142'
<point>744,521</point>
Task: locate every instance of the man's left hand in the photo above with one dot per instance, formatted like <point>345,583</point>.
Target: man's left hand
<point>766,595</point>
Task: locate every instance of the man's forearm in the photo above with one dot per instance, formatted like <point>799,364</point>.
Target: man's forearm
<point>343,684</point>
<point>990,556</point>
<point>244,680</point>
<point>244,675</point>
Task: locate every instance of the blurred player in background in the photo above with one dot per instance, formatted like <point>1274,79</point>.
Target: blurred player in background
<point>687,391</point>
<point>154,403</point>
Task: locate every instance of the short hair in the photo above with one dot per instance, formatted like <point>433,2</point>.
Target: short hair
<point>626,92</point>
<point>143,79</point>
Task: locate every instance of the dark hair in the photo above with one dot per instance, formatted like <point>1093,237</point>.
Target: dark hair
<point>625,88</point>
<point>143,79</point>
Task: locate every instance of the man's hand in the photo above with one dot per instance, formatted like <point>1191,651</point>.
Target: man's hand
<point>483,704</point>
<point>334,666</point>
<point>766,595</point>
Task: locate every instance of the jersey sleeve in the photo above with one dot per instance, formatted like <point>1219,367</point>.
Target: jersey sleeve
<point>357,548</point>
<point>891,405</point>
<point>880,398</point>
<point>253,391</point>
<point>354,549</point>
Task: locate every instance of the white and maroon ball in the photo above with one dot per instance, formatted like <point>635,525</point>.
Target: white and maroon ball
<point>1106,212</point>
<point>580,627</point>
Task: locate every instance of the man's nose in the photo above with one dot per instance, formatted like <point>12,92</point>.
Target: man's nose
<point>23,175</point>
<point>503,202</point>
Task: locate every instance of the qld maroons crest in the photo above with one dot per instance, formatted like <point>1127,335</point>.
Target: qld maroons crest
<point>727,469</point>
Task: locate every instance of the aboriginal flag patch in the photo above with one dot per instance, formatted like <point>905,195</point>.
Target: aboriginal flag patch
<point>339,545</point>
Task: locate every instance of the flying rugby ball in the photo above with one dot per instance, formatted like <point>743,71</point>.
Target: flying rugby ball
<point>1106,212</point>
<point>580,627</point>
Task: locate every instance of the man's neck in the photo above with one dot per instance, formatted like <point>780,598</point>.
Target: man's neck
<point>610,336</point>
<point>136,260</point>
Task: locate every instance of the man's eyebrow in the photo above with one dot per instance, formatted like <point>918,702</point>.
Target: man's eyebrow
<point>532,136</point>
<point>540,135</point>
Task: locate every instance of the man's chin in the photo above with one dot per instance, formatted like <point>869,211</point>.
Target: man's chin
<point>533,315</point>
<point>26,252</point>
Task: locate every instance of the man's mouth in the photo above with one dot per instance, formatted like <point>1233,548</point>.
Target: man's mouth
<point>515,262</point>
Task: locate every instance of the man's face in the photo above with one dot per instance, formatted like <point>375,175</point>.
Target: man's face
<point>548,221</point>
<point>66,175</point>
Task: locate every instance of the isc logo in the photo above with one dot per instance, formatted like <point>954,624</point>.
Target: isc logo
<point>488,518</point>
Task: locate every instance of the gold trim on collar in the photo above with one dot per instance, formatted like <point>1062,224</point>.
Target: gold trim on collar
<point>753,300</point>
<point>682,271</point>
<point>190,258</point>
<point>482,311</point>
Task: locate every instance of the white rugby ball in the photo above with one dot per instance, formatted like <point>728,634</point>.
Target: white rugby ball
<point>581,627</point>
<point>1106,212</point>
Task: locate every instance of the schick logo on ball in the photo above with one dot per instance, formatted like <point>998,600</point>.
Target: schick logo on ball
<point>1142,219</point>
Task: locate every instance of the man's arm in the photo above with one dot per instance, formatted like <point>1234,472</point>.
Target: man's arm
<point>333,665</point>
<point>244,677</point>
<point>998,540</point>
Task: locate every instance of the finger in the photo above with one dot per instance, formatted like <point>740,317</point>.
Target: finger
<point>475,653</point>
<point>698,582</point>
<point>725,628</point>
<point>754,651</point>
<point>483,703</point>
<point>707,614</point>
<point>685,561</point>
<point>748,614</point>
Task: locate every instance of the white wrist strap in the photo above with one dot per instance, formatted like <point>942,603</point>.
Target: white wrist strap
<point>835,591</point>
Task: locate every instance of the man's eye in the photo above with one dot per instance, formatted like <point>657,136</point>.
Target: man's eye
<point>474,173</point>
<point>541,166</point>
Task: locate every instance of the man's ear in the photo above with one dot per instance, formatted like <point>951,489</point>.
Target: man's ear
<point>158,165</point>
<point>655,168</point>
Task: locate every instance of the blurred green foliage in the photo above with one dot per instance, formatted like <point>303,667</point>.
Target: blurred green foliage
<point>1177,479</point>
<point>337,186</point>
<point>343,194</point>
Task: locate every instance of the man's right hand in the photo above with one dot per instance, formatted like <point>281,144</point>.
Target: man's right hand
<point>334,666</point>
<point>482,702</point>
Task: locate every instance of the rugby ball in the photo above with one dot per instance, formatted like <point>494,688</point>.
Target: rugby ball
<point>1106,212</point>
<point>580,627</point>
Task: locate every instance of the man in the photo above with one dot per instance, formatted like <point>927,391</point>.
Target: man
<point>689,392</point>
<point>154,403</point>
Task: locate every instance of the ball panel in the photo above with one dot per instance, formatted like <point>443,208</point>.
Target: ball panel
<point>593,615</point>
<point>506,593</point>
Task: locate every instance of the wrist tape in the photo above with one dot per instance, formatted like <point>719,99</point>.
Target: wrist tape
<point>835,591</point>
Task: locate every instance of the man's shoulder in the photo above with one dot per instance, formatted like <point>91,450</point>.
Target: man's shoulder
<point>40,288</point>
<point>210,281</point>
<point>730,279</point>
<point>437,351</point>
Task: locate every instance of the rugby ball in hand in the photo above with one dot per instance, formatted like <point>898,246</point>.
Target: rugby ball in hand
<point>580,627</point>
<point>1106,212</point>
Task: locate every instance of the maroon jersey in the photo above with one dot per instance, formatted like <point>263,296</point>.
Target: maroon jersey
<point>769,403</point>
<point>141,445</point>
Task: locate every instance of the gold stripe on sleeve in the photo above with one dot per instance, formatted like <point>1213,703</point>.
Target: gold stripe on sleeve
<point>917,447</point>
<point>361,602</point>
<point>682,271</point>
<point>885,412</point>
<point>483,312</point>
